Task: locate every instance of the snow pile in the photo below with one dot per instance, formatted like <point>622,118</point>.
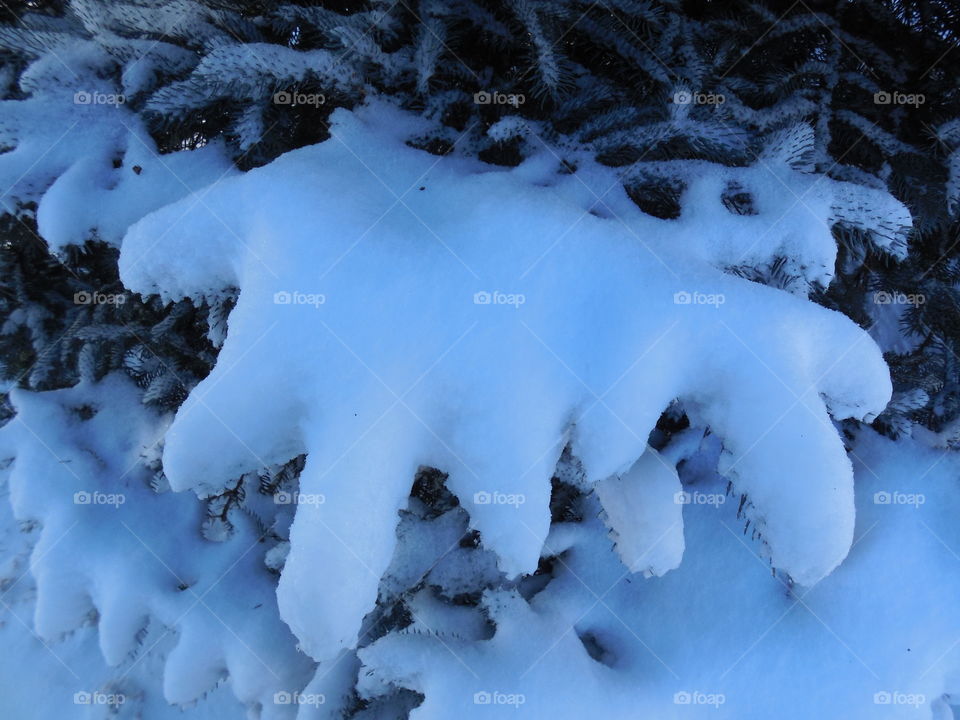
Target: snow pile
<point>477,320</point>
<point>690,644</point>
<point>719,637</point>
<point>84,158</point>
<point>113,552</point>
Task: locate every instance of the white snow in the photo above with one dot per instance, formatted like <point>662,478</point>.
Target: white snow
<point>643,509</point>
<point>475,319</point>
<point>113,553</point>
<point>85,159</point>
<point>717,637</point>
<point>720,637</point>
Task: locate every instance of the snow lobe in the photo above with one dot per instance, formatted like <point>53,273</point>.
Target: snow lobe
<point>154,583</point>
<point>86,160</point>
<point>692,644</point>
<point>442,312</point>
<point>643,511</point>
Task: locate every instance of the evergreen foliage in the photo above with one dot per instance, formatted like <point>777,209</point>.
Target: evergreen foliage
<point>862,92</point>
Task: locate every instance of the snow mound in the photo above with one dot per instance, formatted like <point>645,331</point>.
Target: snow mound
<point>719,637</point>
<point>446,313</point>
<point>114,553</point>
<point>87,161</point>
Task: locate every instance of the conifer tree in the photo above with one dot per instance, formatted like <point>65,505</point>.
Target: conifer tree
<point>860,95</point>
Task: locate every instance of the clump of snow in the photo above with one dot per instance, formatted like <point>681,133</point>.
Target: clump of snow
<point>719,637</point>
<point>692,643</point>
<point>77,151</point>
<point>114,553</point>
<point>643,508</point>
<point>477,320</point>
